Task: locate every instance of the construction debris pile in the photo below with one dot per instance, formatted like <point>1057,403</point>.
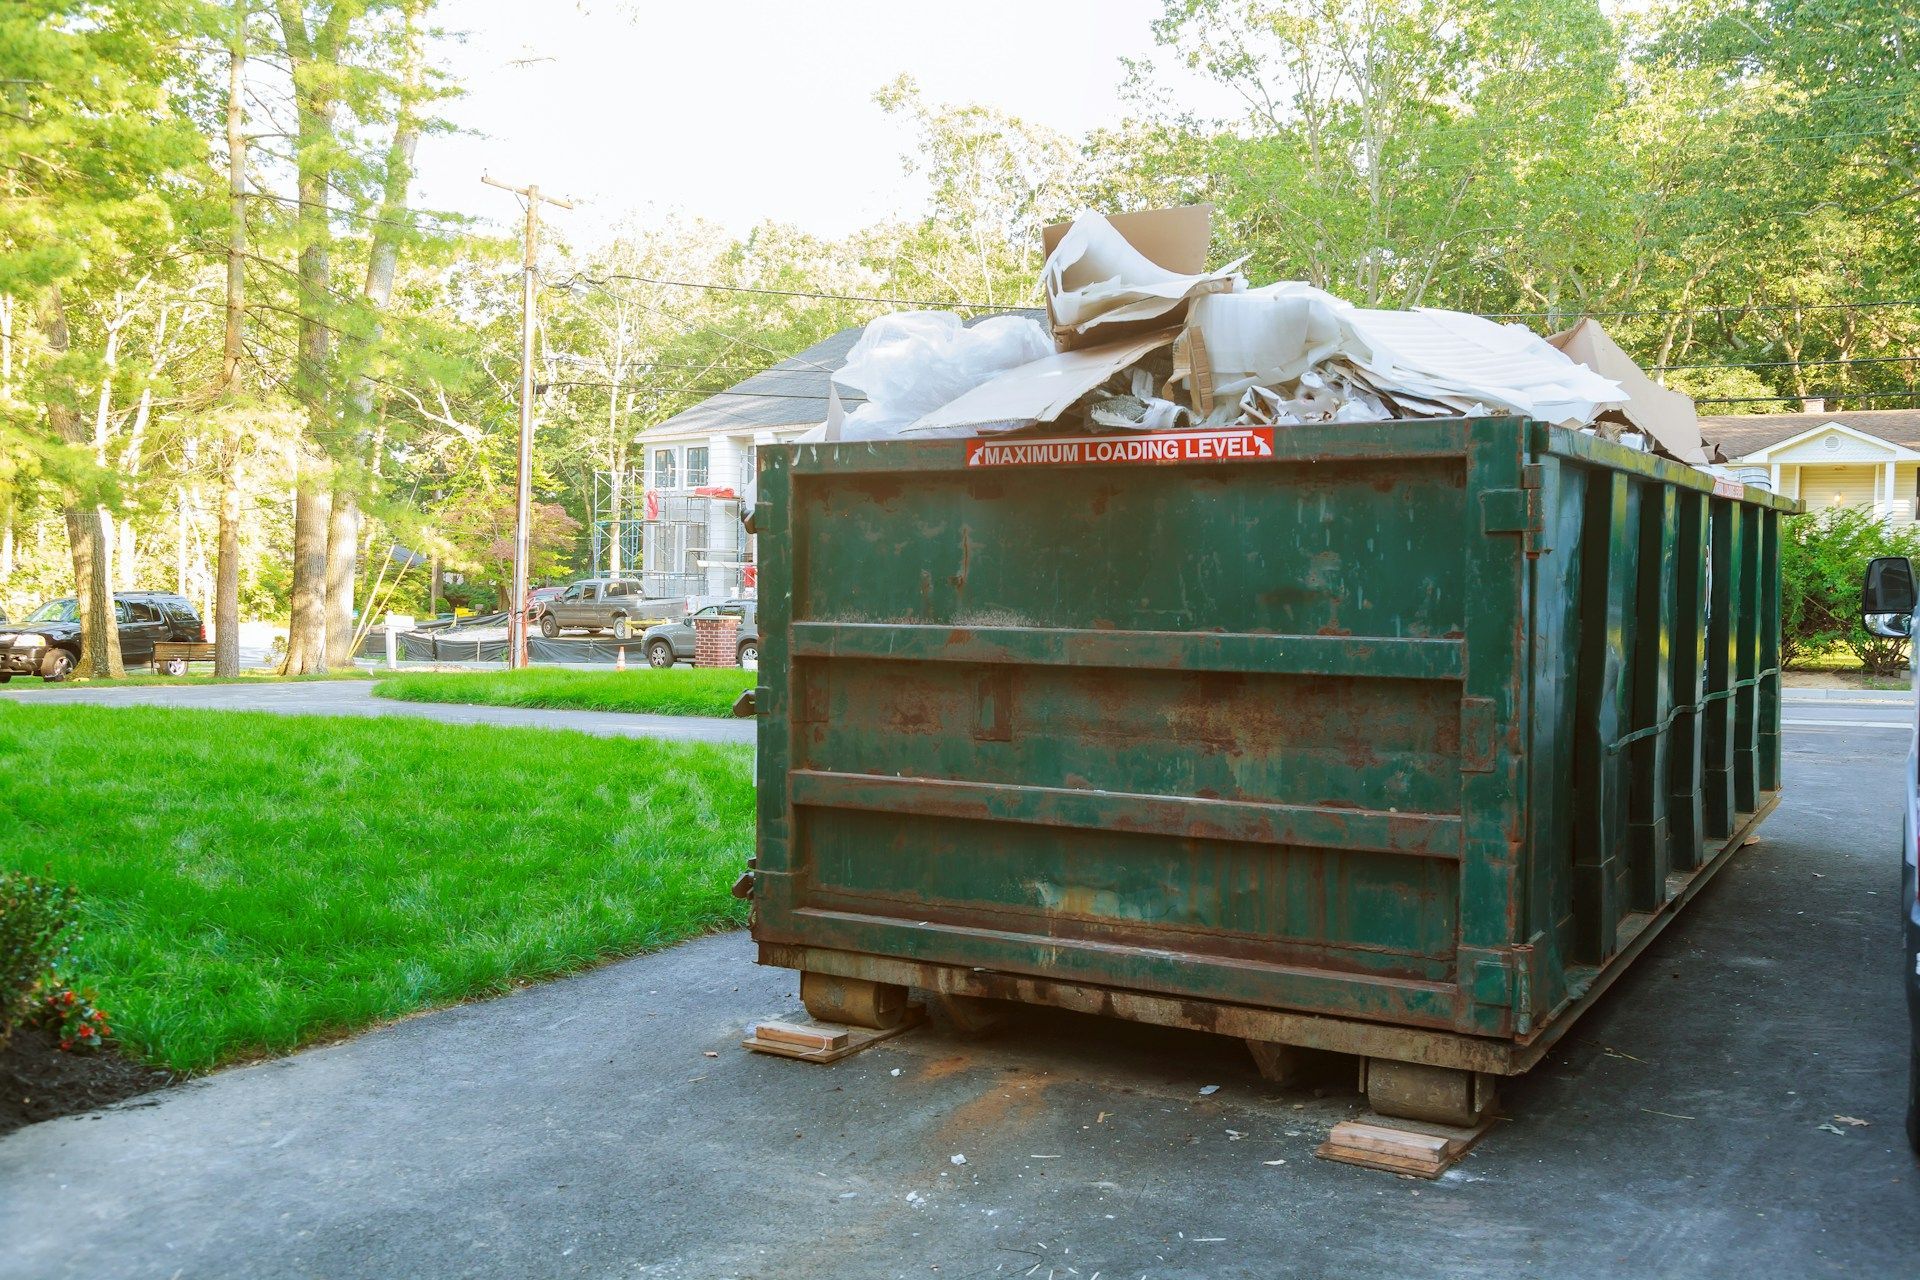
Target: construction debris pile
<point>1145,338</point>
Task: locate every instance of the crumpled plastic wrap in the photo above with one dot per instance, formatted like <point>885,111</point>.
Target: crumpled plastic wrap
<point>1136,346</point>
<point>910,363</point>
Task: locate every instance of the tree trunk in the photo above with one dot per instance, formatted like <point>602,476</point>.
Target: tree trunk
<point>93,585</point>
<point>226,585</point>
<point>383,260</point>
<point>313,59</point>
<point>129,556</point>
<point>307,629</point>
<point>343,545</point>
<point>226,576</point>
<point>92,556</point>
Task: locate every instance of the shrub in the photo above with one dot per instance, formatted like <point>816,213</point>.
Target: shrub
<point>1823,557</point>
<point>34,915</point>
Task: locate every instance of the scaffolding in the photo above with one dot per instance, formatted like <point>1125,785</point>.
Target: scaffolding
<point>676,542</point>
<point>692,545</point>
<point>623,521</point>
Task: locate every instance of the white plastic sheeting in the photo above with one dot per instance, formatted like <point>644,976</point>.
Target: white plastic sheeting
<point>1280,354</point>
<point>913,362</point>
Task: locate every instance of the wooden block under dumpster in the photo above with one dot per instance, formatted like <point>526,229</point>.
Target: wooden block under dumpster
<point>1400,1146</point>
<point>1398,739</point>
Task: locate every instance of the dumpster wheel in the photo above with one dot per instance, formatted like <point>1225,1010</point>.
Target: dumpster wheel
<point>856,1002</point>
<point>1414,1091</point>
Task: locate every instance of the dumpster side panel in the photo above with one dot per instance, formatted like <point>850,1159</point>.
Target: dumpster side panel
<point>1196,729</point>
<point>1428,728</point>
<point>1662,616</point>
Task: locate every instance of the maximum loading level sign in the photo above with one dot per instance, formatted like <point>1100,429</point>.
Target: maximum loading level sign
<point>1229,444</point>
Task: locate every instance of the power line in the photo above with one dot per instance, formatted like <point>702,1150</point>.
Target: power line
<point>1847,395</point>
<point>440,221</point>
<point>788,293</point>
<point>1487,315</point>
<point>1713,310</point>
<point>713,391</point>
<point>1785,364</point>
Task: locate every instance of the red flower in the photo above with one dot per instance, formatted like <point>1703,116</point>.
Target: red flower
<point>66,1044</point>
<point>86,1031</point>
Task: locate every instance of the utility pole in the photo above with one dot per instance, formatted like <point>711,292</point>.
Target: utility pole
<point>523,500</point>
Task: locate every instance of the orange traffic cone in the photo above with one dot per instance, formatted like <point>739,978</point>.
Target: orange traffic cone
<point>620,655</point>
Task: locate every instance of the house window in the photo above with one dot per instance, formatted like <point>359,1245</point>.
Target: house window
<point>751,455</point>
<point>666,470</point>
<point>696,466</point>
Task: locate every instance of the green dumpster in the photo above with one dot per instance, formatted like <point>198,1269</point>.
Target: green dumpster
<point>1394,740</point>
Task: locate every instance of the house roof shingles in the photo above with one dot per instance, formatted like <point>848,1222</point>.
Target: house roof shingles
<point>792,393</point>
<point>1741,434</point>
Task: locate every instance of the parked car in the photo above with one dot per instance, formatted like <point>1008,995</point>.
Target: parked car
<point>593,606</point>
<point>46,643</point>
<point>672,642</point>
<point>538,599</point>
<point>1887,602</point>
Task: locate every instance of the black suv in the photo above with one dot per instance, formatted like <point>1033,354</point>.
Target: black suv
<point>47,642</point>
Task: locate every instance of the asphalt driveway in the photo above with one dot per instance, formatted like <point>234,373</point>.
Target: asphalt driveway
<point>581,1129</point>
<point>355,698</point>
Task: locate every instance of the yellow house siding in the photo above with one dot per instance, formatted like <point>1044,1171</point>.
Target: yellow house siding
<point>1843,485</point>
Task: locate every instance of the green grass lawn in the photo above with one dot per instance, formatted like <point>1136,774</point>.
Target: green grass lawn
<point>672,691</point>
<point>253,882</point>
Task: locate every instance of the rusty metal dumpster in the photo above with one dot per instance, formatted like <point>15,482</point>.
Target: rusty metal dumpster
<point>1395,740</point>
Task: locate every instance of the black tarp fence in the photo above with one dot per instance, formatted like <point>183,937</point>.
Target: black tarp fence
<point>432,646</point>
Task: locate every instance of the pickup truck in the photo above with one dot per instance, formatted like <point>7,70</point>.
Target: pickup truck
<point>594,605</point>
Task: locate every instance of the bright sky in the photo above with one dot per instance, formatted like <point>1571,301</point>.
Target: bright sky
<point>743,110</point>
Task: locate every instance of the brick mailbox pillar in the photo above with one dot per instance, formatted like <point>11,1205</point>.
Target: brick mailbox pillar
<point>713,641</point>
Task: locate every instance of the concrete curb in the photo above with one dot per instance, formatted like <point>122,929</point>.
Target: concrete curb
<point>1790,694</point>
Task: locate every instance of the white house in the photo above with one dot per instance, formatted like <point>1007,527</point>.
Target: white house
<point>1859,457</point>
<point>699,464</point>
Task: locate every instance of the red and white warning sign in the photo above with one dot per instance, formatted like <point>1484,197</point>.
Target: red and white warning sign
<point>1223,444</point>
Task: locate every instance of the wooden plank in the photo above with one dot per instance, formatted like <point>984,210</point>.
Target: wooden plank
<point>1393,1142</point>
<point>805,1037</point>
<point>1400,1146</point>
<point>848,1040</point>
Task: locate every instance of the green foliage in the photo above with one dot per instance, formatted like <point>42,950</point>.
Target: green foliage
<point>675,691</point>
<point>1729,174</point>
<point>318,875</point>
<point>1823,561</point>
<point>34,918</point>
<point>1700,166</point>
<point>481,529</point>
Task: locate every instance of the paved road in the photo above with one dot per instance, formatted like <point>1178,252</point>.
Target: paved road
<point>579,1129</point>
<point>1861,715</point>
<point>355,698</point>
